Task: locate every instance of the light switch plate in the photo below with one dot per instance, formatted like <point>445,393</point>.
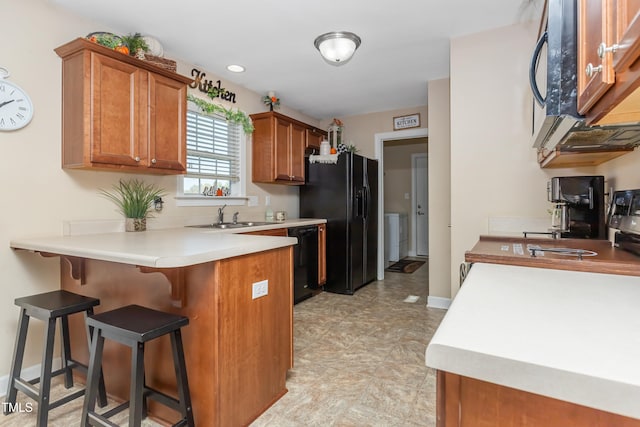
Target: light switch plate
<point>260,289</point>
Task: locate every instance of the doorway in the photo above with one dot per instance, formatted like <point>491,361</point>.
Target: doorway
<point>380,139</point>
<point>420,202</point>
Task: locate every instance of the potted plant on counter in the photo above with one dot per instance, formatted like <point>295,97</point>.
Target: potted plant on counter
<point>134,199</point>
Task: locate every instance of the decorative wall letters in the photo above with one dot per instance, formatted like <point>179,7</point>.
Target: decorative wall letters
<point>208,87</point>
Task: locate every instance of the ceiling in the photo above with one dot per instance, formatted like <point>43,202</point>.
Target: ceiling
<point>405,43</point>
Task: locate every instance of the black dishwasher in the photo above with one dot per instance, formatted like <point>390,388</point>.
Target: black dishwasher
<point>305,261</point>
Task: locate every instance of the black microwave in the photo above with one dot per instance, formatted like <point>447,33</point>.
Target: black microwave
<point>552,74</point>
<point>556,123</point>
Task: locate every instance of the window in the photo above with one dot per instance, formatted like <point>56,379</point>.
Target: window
<point>214,157</point>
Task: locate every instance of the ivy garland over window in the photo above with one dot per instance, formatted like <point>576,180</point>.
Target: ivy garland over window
<point>233,116</point>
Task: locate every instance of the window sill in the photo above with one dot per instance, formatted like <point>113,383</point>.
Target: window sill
<point>210,200</point>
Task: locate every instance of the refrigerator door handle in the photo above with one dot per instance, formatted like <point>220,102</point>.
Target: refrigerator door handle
<point>359,200</point>
<point>365,203</point>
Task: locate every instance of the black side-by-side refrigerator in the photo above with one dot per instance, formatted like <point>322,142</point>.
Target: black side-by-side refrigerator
<point>346,194</point>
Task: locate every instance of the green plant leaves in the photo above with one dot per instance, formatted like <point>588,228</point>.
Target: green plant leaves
<point>135,42</point>
<point>232,116</point>
<point>133,197</point>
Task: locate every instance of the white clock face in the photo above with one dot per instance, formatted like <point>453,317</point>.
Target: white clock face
<point>16,109</point>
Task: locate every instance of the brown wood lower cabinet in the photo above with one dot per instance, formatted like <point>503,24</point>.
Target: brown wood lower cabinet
<point>467,402</point>
<point>322,254</point>
<point>238,349</point>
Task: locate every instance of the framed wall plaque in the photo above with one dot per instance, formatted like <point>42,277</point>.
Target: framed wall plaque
<point>406,122</point>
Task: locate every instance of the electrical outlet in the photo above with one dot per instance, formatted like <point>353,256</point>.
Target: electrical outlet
<point>260,289</point>
<point>406,196</point>
<point>267,200</point>
<point>252,201</point>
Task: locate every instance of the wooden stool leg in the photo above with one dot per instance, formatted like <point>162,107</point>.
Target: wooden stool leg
<point>137,385</point>
<point>93,376</point>
<point>66,352</point>
<point>16,363</point>
<point>181,377</point>
<point>45,373</point>
<point>102,392</point>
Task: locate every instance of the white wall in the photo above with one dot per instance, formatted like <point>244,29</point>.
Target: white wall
<point>38,195</point>
<point>493,167</point>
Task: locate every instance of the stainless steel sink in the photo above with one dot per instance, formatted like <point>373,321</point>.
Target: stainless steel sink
<point>253,223</point>
<point>225,225</point>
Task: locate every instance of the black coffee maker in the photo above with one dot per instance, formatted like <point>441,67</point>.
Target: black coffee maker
<point>578,206</point>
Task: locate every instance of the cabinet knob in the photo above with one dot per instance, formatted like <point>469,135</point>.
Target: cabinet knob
<point>137,159</point>
<point>602,49</point>
<point>153,161</point>
<point>591,70</point>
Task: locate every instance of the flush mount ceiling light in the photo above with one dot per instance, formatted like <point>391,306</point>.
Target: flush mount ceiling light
<point>337,47</point>
<point>235,68</point>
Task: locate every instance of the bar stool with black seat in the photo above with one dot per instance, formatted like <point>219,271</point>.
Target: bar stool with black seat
<point>133,326</point>
<point>49,307</point>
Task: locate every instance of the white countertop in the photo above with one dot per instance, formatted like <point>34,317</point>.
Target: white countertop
<point>569,335</point>
<point>169,248</point>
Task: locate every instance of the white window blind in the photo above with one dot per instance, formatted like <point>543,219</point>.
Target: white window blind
<point>213,147</point>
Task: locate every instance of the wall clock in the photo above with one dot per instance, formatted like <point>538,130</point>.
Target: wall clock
<point>16,109</point>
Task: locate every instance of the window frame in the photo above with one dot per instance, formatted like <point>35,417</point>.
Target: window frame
<point>238,189</point>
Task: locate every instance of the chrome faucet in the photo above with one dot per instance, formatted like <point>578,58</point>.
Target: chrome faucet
<point>235,217</point>
<point>221,214</point>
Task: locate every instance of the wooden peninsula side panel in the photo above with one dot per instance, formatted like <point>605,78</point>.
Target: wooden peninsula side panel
<point>464,401</point>
<point>237,349</point>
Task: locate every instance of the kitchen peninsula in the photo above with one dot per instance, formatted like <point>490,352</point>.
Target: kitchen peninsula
<point>539,347</point>
<point>238,345</point>
<point>599,255</point>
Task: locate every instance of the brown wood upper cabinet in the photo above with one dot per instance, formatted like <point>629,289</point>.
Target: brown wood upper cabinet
<point>608,70</point>
<point>314,138</point>
<point>279,143</point>
<point>120,113</point>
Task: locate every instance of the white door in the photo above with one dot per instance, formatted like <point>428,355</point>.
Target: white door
<point>421,197</point>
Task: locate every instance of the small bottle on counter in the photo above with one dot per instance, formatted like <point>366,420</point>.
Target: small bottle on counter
<point>268,215</point>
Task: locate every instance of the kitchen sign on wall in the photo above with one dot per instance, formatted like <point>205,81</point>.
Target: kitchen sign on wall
<point>208,87</point>
<point>406,122</point>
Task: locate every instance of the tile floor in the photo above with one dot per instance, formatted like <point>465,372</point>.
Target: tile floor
<point>359,361</point>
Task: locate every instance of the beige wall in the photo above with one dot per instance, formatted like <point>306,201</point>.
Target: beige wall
<point>621,173</point>
<point>360,130</point>
<point>493,167</point>
<point>439,189</point>
<point>39,196</point>
<point>397,178</point>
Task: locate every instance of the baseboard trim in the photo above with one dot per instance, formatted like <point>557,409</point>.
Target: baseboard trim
<point>438,302</point>
<point>28,374</point>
